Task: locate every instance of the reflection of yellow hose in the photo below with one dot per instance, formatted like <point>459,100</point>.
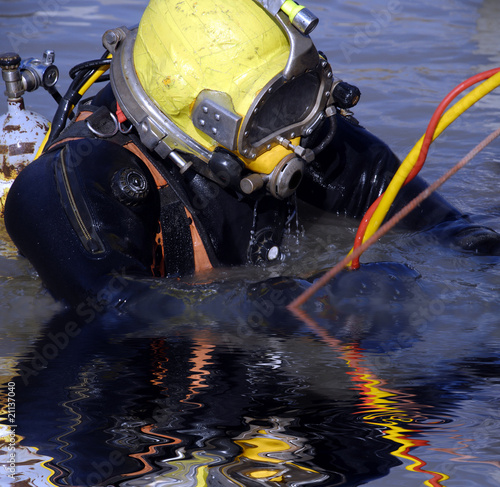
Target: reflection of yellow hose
<point>407,165</point>
<point>384,412</point>
<point>99,72</point>
<point>379,407</point>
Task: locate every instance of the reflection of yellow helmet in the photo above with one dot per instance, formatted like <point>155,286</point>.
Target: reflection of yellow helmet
<point>183,48</point>
<point>236,84</point>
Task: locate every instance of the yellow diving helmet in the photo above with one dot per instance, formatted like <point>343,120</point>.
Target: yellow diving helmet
<point>226,86</point>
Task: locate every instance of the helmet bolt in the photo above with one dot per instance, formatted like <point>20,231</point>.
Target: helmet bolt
<point>111,37</point>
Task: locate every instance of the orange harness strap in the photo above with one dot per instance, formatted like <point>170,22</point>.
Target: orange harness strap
<point>158,264</point>
<point>201,260</point>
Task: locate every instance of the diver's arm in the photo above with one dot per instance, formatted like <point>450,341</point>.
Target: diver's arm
<point>67,214</point>
<point>356,167</point>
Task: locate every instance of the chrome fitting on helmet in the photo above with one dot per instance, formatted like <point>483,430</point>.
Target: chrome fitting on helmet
<point>281,183</point>
<point>300,17</point>
<point>286,177</point>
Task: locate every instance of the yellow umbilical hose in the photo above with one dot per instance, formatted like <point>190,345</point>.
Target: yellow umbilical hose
<point>409,162</point>
<point>42,145</point>
<point>99,72</point>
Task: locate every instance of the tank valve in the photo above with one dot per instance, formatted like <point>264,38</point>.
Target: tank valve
<point>10,62</point>
<point>38,73</point>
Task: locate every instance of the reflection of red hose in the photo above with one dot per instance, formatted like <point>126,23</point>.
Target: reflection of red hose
<point>428,137</point>
<point>387,409</point>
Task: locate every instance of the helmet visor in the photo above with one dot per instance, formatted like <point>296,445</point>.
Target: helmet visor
<point>287,106</point>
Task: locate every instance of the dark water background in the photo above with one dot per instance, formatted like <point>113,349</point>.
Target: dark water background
<point>393,381</point>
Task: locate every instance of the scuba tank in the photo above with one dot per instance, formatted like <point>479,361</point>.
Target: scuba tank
<point>22,131</point>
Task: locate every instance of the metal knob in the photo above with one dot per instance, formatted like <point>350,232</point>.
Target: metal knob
<point>10,61</point>
<point>345,95</point>
<point>251,183</point>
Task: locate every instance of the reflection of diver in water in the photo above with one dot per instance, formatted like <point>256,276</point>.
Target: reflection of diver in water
<point>191,158</point>
<point>240,392</point>
<point>206,403</point>
<point>268,455</point>
<point>119,403</point>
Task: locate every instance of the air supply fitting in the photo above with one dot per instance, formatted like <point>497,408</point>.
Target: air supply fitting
<point>300,17</point>
<point>28,75</point>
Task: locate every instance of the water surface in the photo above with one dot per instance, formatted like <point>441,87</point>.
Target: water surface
<point>392,379</point>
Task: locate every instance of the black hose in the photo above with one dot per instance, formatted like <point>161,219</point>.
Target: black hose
<point>332,127</point>
<point>71,98</point>
<point>96,63</point>
<point>55,94</point>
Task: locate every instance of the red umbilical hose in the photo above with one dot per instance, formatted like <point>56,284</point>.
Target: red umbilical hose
<point>428,137</point>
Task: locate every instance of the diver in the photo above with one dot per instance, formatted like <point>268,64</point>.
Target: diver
<point>218,115</point>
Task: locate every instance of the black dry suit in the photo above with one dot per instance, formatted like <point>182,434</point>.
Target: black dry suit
<point>97,205</point>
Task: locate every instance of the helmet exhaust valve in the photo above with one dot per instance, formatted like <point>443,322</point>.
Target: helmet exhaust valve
<point>286,177</point>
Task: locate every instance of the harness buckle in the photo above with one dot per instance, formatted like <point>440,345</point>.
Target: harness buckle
<point>105,135</point>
